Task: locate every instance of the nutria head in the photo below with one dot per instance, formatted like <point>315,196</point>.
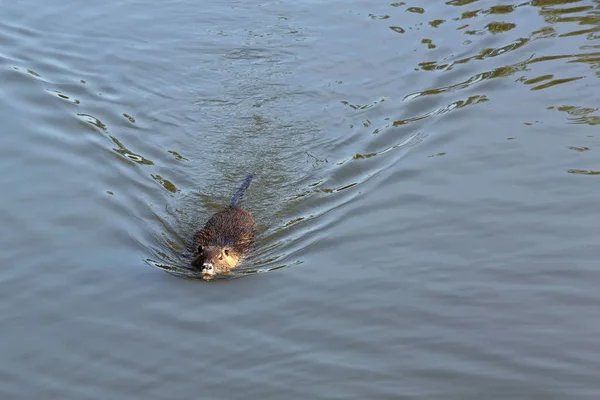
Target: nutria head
<point>223,242</point>
<point>212,260</point>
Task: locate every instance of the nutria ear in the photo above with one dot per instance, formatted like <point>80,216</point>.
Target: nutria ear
<point>246,238</point>
<point>199,248</point>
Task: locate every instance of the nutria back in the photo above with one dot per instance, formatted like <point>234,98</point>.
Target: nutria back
<point>230,227</point>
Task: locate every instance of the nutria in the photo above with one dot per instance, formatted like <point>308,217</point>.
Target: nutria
<point>225,239</point>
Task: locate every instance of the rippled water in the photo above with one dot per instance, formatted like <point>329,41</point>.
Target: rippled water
<point>426,181</point>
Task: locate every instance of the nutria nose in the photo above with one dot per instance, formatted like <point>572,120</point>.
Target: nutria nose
<point>208,267</point>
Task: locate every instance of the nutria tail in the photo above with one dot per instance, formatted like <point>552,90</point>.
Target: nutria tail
<point>237,197</point>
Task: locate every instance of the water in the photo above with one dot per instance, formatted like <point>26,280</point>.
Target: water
<point>425,181</point>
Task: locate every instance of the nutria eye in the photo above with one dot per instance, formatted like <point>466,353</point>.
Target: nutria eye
<point>227,252</point>
<point>200,249</point>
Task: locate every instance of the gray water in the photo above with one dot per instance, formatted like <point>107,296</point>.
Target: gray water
<point>426,181</point>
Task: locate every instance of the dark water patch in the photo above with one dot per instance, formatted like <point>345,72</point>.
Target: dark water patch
<point>417,10</point>
<point>64,97</point>
<point>168,185</point>
<point>178,156</point>
<point>372,16</point>
<point>583,172</point>
<point>555,82</point>
<point>93,121</point>
<point>579,149</point>
<point>579,115</point>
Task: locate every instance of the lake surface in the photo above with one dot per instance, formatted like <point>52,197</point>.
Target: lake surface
<point>427,181</point>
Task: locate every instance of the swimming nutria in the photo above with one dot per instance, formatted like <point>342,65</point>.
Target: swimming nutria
<point>225,239</point>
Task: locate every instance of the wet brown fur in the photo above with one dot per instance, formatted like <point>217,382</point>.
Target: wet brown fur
<point>225,240</point>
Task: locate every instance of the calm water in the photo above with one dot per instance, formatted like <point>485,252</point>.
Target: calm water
<point>426,179</point>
